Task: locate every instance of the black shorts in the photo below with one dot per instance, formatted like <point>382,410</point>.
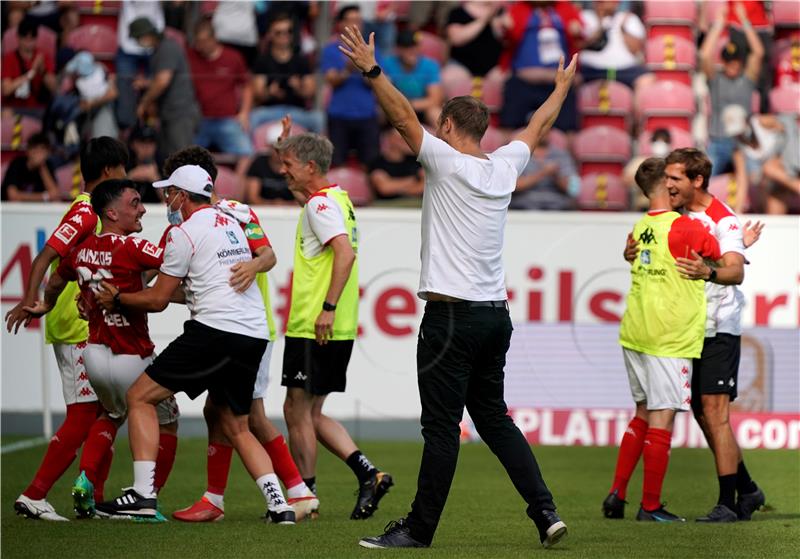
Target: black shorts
<point>717,370</point>
<point>318,369</point>
<point>204,358</point>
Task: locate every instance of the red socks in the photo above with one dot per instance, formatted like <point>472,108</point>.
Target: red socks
<point>218,467</point>
<point>167,445</point>
<point>102,474</point>
<point>96,449</point>
<point>656,458</point>
<point>630,449</point>
<point>63,448</point>
<point>282,461</point>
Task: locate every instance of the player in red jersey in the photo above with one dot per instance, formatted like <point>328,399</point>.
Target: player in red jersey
<point>101,159</point>
<point>119,345</point>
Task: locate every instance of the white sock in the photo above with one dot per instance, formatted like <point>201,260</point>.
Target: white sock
<point>216,500</point>
<point>271,488</point>
<point>299,490</point>
<point>144,472</point>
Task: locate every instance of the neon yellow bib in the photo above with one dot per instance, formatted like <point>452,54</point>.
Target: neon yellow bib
<point>665,314</point>
<point>263,285</point>
<point>312,278</point>
<point>62,325</point>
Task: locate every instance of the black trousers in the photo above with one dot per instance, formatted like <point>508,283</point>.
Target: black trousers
<point>461,353</point>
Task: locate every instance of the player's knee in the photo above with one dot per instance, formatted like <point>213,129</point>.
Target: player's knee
<point>715,410</point>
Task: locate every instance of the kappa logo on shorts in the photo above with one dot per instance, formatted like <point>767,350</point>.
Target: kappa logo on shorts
<point>731,382</point>
<point>300,376</point>
<point>321,208</point>
<point>66,233</point>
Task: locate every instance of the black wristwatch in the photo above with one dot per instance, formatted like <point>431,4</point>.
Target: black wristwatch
<point>713,275</point>
<point>373,72</point>
<point>117,303</point>
<point>326,306</point>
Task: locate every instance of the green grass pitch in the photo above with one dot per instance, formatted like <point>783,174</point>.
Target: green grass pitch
<point>484,516</point>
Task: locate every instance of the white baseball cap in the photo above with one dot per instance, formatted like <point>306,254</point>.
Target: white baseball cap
<point>191,178</point>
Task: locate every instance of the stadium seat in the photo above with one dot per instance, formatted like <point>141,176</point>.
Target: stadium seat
<point>659,12</point>
<point>176,35</point>
<point>432,46</point>
<point>785,99</point>
<point>228,184</point>
<point>46,41</point>
<point>602,149</point>
<point>263,131</point>
<point>680,139</point>
<point>492,90</point>
<point>558,139</point>
<point>98,12</point>
<point>601,191</point>
<point>787,62</point>
<point>671,58</point>
<point>100,40</point>
<point>723,187</point>
<point>16,130</point>
<point>785,15</point>
<point>456,81</point>
<point>710,7</point>
<point>69,179</point>
<point>493,139</point>
<point>354,181</point>
<point>605,103</point>
<point>666,104</point>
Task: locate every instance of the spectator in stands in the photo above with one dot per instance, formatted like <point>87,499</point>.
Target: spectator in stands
<point>28,78</point>
<point>96,93</point>
<point>69,20</point>
<point>133,59</point>
<point>283,82</point>
<point>422,15</point>
<point>537,39</point>
<point>352,111</point>
<point>219,74</point>
<point>379,18</point>
<point>788,69</point>
<point>417,77</point>
<point>29,177</point>
<point>142,167</point>
<point>396,172</point>
<point>756,13</point>
<point>265,184</point>
<point>475,33</point>
<point>545,182</point>
<point>614,48</point>
<point>733,85</point>
<point>170,94</point>
<point>660,146</point>
<point>235,26</point>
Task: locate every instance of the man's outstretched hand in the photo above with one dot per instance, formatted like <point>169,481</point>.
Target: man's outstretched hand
<point>360,53</point>
<point>565,76</point>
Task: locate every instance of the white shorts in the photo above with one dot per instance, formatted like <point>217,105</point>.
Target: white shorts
<point>663,383</point>
<point>112,375</point>
<point>262,380</point>
<point>74,380</point>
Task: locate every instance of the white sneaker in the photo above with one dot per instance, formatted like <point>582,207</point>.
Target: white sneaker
<point>37,510</point>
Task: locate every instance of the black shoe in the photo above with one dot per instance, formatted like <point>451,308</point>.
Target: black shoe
<point>284,516</point>
<point>131,505</point>
<point>659,515</point>
<point>613,506</point>
<point>396,534</point>
<point>370,493</point>
<point>551,528</point>
<point>749,503</point>
<point>720,513</point>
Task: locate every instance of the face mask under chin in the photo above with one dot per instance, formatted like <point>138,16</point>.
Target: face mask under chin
<point>174,216</point>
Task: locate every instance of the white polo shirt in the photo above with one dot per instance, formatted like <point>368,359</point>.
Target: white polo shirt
<point>202,250</point>
<point>464,211</point>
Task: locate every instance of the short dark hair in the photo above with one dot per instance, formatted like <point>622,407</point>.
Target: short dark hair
<point>663,133</point>
<point>345,10</point>
<point>107,192</point>
<point>28,26</point>
<point>277,18</point>
<point>470,115</point>
<point>193,155</point>
<point>100,153</point>
<point>695,163</point>
<point>38,139</point>
<point>649,174</point>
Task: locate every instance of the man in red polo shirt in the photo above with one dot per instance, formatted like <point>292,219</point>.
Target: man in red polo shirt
<point>28,74</point>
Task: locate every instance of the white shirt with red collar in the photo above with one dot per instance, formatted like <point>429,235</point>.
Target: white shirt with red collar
<point>725,302</point>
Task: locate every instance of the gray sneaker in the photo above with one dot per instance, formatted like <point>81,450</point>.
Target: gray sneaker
<point>720,513</point>
<point>750,503</point>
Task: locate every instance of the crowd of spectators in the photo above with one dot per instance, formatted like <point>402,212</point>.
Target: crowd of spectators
<point>220,74</point>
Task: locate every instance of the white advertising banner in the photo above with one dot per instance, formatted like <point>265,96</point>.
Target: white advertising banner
<point>564,273</point>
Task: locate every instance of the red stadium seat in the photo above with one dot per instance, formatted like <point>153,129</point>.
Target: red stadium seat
<point>176,35</point>
<point>16,130</point>
<point>432,46</point>
<point>711,8</point>
<point>100,40</point>
<point>228,184</point>
<point>666,104</point>
<point>671,58</point>
<point>493,139</point>
<point>601,191</point>
<point>785,99</point>
<point>658,11</point>
<point>492,90</point>
<point>69,179</point>
<point>558,139</point>
<point>354,181</point>
<point>46,41</point>
<point>456,81</point>
<point>602,149</point>
<point>679,139</point>
<point>271,128</point>
<point>684,32</point>
<point>606,103</point>
<point>786,14</point>
<point>723,187</point>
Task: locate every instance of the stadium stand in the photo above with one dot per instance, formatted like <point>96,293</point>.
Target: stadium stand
<point>100,40</point>
<point>268,129</point>
<point>675,19</point>
<point>69,179</point>
<point>16,129</point>
<point>671,57</point>
<point>602,191</point>
<point>432,46</point>
<point>606,103</point>
<point>679,139</point>
<point>666,104</point>
<point>228,184</point>
<point>355,182</point>
<point>456,81</point>
<point>724,187</point>
<point>785,99</point>
<point>602,149</point>
<point>493,139</point>
<point>492,88</point>
<point>46,40</point>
